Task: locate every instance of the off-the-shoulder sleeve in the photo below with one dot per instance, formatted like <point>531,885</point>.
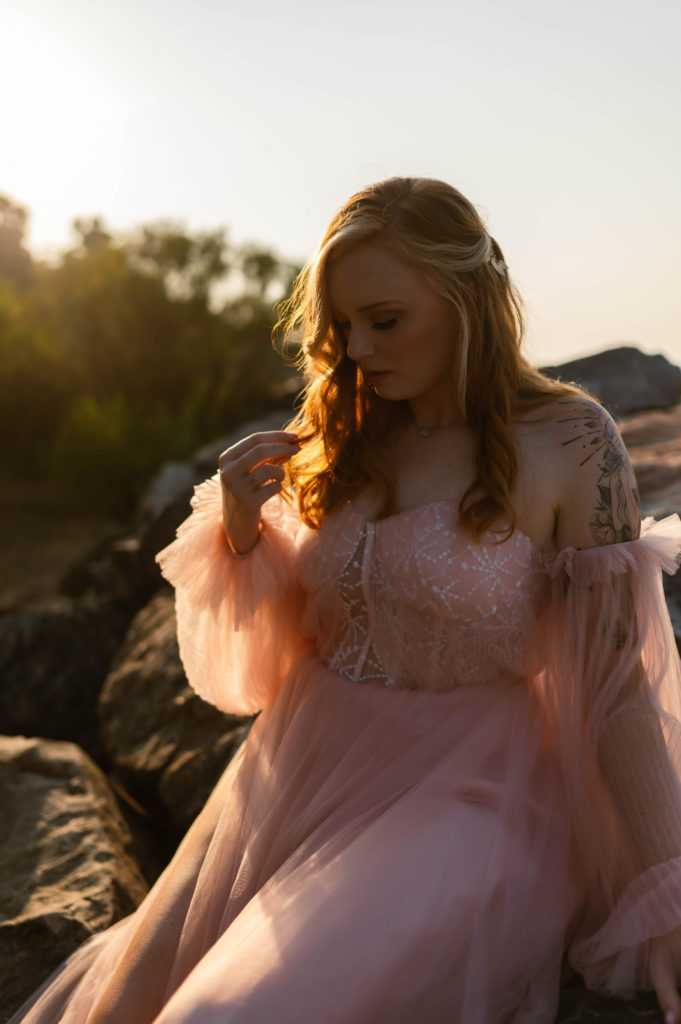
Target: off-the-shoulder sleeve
<point>238,618</point>
<point>612,686</point>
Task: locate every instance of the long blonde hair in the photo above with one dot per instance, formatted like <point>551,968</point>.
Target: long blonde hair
<point>342,425</point>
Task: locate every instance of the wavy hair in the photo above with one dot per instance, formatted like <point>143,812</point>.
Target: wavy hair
<point>342,424</point>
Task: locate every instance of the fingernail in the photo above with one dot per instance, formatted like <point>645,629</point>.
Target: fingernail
<point>670,1017</point>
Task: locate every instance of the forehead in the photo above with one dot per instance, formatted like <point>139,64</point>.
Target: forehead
<point>368,274</point>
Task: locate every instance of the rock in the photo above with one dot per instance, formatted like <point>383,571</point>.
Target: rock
<point>167,745</point>
<point>625,379</point>
<point>173,480</point>
<point>65,861</point>
<point>653,440</point>
<point>123,569</point>
<point>53,662</point>
<point>579,1006</point>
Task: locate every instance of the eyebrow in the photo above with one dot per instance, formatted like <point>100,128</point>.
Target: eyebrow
<point>375,305</point>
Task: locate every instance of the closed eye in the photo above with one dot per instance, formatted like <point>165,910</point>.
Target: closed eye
<point>384,325</point>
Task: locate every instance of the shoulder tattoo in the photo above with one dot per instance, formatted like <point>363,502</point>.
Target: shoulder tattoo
<point>616,512</point>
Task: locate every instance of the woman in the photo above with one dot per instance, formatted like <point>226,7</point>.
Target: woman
<point>467,760</point>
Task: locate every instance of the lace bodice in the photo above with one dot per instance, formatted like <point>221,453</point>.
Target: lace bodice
<point>409,601</point>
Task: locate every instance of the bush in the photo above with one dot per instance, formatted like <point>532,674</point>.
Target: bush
<point>107,451</point>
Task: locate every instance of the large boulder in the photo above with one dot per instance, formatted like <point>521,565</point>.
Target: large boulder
<point>65,861</point>
<point>625,379</point>
<point>53,662</point>
<point>121,568</point>
<point>168,747</point>
<point>653,440</point>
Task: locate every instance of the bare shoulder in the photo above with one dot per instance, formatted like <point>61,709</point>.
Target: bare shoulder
<point>598,499</point>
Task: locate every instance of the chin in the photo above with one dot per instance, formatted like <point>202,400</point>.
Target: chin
<point>391,394</point>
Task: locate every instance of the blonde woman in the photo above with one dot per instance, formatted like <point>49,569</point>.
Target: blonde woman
<point>463,784</point>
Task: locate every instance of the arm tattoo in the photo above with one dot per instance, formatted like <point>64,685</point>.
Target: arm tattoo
<point>597,435</point>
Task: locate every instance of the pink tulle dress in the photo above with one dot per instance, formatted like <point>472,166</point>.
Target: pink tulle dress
<point>465,775</point>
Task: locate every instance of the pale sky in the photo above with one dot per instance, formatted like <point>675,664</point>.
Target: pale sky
<point>561,121</point>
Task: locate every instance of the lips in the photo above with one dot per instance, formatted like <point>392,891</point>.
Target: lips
<point>371,376</point>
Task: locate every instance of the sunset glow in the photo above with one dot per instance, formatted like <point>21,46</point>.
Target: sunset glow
<point>560,122</point>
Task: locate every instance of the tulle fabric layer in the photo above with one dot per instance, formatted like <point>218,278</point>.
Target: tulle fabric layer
<point>372,854</point>
<point>238,619</point>
<point>612,687</point>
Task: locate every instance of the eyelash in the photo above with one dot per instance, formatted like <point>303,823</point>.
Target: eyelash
<point>384,325</point>
<point>377,325</point>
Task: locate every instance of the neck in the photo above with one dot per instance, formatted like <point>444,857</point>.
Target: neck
<point>430,417</point>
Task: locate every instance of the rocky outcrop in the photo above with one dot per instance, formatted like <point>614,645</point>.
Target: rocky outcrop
<point>53,662</point>
<point>625,379</point>
<point>65,861</point>
<point>167,746</point>
<point>653,440</point>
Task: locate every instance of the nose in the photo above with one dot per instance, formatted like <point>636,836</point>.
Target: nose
<point>360,343</point>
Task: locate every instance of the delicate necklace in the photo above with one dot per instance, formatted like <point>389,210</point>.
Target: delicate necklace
<point>429,431</point>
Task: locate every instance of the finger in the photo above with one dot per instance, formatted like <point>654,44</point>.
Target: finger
<point>666,991</point>
<point>263,474</point>
<point>265,455</point>
<point>268,491</point>
<point>231,469</point>
<point>260,495</point>
<point>246,489</point>
<point>242,485</point>
<point>262,437</point>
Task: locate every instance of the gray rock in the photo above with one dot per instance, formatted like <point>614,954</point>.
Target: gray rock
<point>625,379</point>
<point>168,746</point>
<point>53,662</point>
<point>65,861</point>
<point>174,480</point>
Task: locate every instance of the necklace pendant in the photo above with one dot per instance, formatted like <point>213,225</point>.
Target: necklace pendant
<point>424,433</point>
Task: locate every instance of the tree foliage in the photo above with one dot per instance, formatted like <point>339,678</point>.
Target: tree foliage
<point>128,351</point>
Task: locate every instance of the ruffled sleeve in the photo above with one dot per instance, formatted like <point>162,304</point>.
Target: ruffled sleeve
<point>238,618</point>
<point>612,687</point>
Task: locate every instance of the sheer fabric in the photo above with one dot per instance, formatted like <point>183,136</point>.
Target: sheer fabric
<point>613,689</point>
<point>466,764</point>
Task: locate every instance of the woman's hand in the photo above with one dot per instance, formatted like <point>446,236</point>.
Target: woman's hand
<point>664,961</point>
<point>250,473</point>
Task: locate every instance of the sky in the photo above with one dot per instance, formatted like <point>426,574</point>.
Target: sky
<point>560,121</point>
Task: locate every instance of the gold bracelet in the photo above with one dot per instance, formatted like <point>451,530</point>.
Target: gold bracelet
<point>243,554</point>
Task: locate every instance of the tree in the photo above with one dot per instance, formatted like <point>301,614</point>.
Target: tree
<point>15,261</point>
<point>126,352</point>
<point>189,266</point>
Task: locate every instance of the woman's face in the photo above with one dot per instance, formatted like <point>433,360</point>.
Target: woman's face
<point>402,334</point>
